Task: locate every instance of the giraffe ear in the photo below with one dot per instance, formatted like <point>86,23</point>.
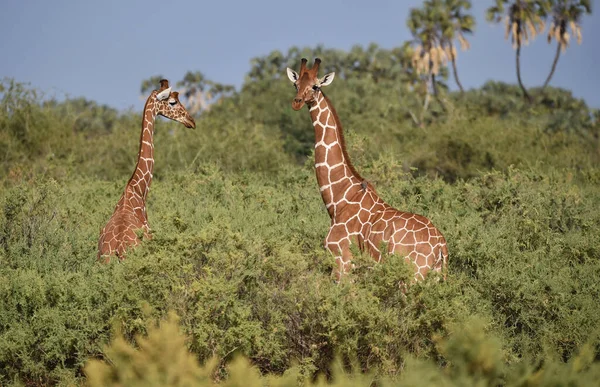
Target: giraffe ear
<point>292,75</point>
<point>326,80</point>
<point>163,94</point>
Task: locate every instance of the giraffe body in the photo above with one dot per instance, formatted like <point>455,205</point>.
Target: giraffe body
<point>358,214</point>
<point>124,228</point>
<point>129,220</point>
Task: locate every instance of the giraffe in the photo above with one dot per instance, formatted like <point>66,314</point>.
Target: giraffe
<point>130,215</point>
<point>357,212</point>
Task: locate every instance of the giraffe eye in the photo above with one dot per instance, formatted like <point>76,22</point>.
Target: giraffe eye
<point>296,86</point>
<point>172,102</point>
<point>316,87</point>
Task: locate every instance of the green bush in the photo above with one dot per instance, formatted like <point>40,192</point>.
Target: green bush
<point>162,359</point>
<point>239,257</point>
<point>237,249</point>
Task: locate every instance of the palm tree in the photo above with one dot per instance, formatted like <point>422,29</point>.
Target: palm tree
<point>428,53</point>
<point>454,25</point>
<point>201,92</point>
<point>220,90</point>
<point>434,28</point>
<point>150,84</point>
<point>413,80</point>
<point>565,13</point>
<point>524,20</point>
<point>195,89</point>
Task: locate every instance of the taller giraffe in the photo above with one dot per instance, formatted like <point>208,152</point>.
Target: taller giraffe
<point>130,213</point>
<point>357,212</point>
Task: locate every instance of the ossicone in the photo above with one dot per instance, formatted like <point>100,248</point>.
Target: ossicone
<point>315,67</point>
<point>303,65</point>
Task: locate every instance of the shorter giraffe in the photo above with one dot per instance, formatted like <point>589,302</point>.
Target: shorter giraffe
<point>357,213</point>
<point>129,217</point>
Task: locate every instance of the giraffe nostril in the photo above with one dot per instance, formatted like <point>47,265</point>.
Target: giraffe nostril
<point>297,100</point>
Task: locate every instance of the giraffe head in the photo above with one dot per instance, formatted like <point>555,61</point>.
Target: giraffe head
<point>308,86</point>
<point>168,105</point>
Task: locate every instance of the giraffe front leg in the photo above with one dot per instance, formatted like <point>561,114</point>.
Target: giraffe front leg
<point>338,243</point>
<point>343,261</point>
<point>147,232</point>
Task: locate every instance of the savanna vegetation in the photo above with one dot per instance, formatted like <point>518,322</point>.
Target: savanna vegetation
<point>235,287</point>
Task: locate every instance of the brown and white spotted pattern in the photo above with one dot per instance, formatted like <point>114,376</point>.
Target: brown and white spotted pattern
<point>358,214</point>
<point>130,220</point>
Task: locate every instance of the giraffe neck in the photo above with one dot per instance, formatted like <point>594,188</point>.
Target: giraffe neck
<point>336,176</point>
<point>139,183</point>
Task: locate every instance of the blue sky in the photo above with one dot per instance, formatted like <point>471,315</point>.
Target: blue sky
<point>102,50</point>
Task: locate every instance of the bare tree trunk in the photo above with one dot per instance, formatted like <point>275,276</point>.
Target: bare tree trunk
<point>553,65</point>
<point>525,93</point>
<point>453,58</point>
<point>435,92</point>
<point>420,121</point>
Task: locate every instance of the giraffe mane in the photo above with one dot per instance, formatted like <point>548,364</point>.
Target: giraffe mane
<point>342,138</point>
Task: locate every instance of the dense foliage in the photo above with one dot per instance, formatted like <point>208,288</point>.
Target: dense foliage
<point>237,247</point>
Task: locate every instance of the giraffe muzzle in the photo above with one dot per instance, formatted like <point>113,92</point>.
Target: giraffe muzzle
<point>297,103</point>
<point>190,123</point>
